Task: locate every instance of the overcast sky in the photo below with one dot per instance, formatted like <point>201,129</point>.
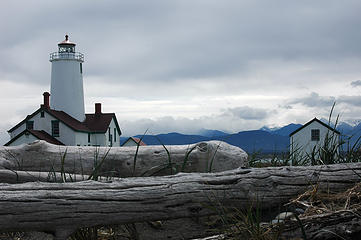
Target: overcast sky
<point>179,65</point>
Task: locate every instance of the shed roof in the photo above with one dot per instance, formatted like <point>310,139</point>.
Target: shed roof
<point>136,140</point>
<point>315,120</point>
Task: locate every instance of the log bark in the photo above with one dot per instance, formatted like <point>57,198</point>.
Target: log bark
<point>61,208</point>
<point>41,156</point>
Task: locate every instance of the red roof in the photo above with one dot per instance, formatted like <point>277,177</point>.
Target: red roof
<point>136,140</point>
<point>98,123</point>
<point>41,135</point>
<point>68,120</point>
<point>66,41</point>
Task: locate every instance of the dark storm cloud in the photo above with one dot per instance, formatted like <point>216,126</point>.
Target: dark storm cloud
<point>170,40</point>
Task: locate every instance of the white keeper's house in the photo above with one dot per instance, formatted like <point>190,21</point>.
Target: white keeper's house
<point>61,118</point>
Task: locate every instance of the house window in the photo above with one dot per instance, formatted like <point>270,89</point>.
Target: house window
<point>42,114</point>
<point>109,135</point>
<point>111,141</point>
<point>30,125</point>
<point>55,128</point>
<point>115,134</point>
<point>315,135</point>
<point>88,137</point>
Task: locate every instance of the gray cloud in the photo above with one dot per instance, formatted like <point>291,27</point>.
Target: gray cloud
<point>231,120</point>
<point>247,113</point>
<point>314,100</point>
<point>350,100</point>
<point>356,83</point>
<point>173,40</point>
<point>234,53</point>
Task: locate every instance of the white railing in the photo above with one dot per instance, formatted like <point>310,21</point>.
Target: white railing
<point>66,55</point>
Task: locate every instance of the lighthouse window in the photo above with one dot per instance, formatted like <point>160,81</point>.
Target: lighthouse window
<point>55,128</point>
<point>81,68</point>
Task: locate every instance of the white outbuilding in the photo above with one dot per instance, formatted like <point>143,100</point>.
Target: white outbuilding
<point>308,140</point>
<point>63,120</point>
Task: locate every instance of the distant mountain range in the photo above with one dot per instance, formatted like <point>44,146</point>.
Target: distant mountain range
<point>265,140</point>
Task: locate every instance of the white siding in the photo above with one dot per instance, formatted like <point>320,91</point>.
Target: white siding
<point>301,145</point>
<point>98,139</point>
<point>111,127</point>
<point>67,88</point>
<point>66,134</point>
<point>81,139</point>
<point>18,130</point>
<point>24,139</point>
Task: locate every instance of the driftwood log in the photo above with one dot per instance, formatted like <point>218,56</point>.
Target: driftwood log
<point>16,176</point>
<point>40,156</point>
<point>344,224</point>
<point>63,207</point>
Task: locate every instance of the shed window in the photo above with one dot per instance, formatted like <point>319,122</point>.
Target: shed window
<point>30,125</point>
<point>315,135</point>
<point>55,128</point>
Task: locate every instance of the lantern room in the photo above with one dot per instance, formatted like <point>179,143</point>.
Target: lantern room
<point>66,46</point>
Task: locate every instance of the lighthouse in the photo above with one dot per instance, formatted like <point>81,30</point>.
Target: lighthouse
<point>66,88</point>
<point>61,118</point>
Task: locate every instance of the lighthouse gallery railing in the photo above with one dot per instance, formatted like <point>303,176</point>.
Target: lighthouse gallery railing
<point>66,55</point>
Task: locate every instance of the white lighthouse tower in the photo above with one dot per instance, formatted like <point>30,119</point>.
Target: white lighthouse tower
<point>67,80</point>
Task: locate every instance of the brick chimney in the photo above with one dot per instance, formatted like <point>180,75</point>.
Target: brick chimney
<point>46,103</point>
<point>98,109</point>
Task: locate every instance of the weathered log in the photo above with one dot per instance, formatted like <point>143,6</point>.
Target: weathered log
<point>345,224</point>
<point>61,208</point>
<point>14,176</point>
<point>41,156</point>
